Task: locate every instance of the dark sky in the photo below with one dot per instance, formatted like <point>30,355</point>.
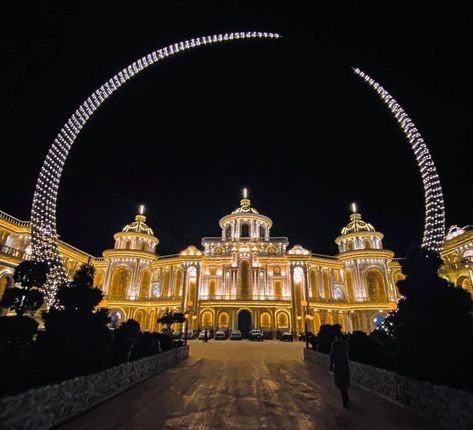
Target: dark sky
<point>287,119</point>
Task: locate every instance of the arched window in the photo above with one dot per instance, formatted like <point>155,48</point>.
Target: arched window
<point>223,320</point>
<point>349,283</point>
<point>317,323</point>
<point>140,318</point>
<point>366,243</point>
<point>265,321</point>
<point>244,278</point>
<point>144,246</point>
<point>228,232</point>
<point>206,320</point>
<point>375,285</point>
<point>262,232</point>
<point>245,230</point>
<point>128,244</point>
<point>330,319</point>
<point>326,280</point>
<point>313,284</point>
<point>212,287</point>
<point>349,245</point>
<point>283,320</point>
<point>277,287</point>
<point>120,281</point>
<point>144,284</point>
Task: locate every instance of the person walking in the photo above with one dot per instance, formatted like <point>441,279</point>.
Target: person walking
<point>339,364</point>
<point>206,335</point>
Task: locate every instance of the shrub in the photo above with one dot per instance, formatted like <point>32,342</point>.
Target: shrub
<point>125,340</point>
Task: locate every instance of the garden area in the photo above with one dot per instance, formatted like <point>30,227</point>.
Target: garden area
<point>75,338</point>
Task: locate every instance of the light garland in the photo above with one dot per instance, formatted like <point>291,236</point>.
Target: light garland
<point>43,211</point>
<point>434,224</point>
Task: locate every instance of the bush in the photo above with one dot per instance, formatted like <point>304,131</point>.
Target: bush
<point>125,340</point>
<point>364,349</point>
<point>166,342</point>
<point>77,340</point>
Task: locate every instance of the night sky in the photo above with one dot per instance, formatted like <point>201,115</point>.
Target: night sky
<point>288,118</point>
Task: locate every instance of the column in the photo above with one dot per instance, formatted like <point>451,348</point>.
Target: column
<point>293,298</point>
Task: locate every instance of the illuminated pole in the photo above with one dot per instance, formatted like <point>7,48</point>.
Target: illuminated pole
<point>43,211</point>
<point>304,304</point>
<point>434,224</point>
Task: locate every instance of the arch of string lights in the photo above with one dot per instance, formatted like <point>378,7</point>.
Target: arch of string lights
<point>434,224</point>
<point>43,211</point>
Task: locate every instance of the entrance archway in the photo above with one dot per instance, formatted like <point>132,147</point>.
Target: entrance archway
<point>244,322</point>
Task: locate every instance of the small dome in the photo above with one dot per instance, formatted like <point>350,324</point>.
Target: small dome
<point>245,208</point>
<point>298,250</point>
<point>138,226</point>
<point>357,225</point>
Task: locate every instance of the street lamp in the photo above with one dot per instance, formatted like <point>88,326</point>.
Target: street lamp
<point>305,304</point>
<point>186,316</point>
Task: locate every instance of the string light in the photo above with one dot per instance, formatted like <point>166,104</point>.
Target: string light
<point>43,211</point>
<point>434,224</point>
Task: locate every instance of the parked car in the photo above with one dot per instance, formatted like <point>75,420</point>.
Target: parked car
<point>235,335</point>
<point>256,335</point>
<point>190,335</point>
<point>287,337</point>
<point>220,335</point>
<point>302,336</point>
<point>202,335</point>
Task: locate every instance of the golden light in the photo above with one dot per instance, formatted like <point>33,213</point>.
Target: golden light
<point>194,317</point>
<point>392,306</point>
<point>103,304</point>
<point>186,316</point>
<point>299,317</point>
<point>141,209</point>
<point>304,303</point>
<point>190,303</point>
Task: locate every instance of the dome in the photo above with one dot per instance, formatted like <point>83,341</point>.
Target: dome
<point>357,225</point>
<point>245,208</point>
<point>138,226</point>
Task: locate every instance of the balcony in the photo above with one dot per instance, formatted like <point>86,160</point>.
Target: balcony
<point>273,240</point>
<point>14,253</point>
<point>463,263</point>
<point>229,297</point>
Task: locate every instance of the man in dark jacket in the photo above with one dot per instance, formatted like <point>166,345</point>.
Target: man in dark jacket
<point>339,364</point>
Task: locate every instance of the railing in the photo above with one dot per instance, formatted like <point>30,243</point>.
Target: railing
<point>465,262</point>
<point>245,297</point>
<point>119,297</point>
<point>282,240</point>
<point>15,253</point>
<point>14,220</point>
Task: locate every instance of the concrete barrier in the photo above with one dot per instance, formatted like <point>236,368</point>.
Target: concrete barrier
<point>451,406</point>
<point>49,405</point>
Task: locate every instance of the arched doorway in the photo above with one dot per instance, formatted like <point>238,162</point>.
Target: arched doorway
<point>244,322</point>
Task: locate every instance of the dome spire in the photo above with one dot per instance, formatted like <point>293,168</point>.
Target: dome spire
<point>245,202</point>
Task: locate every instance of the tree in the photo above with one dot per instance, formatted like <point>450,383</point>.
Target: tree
<point>17,332</point>
<point>77,340</point>
<point>432,325</point>
<point>27,298</point>
<point>364,349</point>
<point>169,318</point>
<point>324,338</point>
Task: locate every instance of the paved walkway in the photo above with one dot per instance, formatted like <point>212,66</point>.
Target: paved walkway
<point>245,385</point>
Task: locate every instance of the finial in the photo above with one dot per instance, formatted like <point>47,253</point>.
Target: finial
<point>141,209</point>
<point>245,201</point>
<point>140,217</point>
<point>354,209</point>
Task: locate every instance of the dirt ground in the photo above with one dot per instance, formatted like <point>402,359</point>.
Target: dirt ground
<point>245,385</point>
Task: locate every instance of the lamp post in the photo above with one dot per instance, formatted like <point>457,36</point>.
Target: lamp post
<point>304,304</point>
<point>186,316</point>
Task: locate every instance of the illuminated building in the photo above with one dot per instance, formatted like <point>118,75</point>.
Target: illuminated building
<point>244,276</point>
<point>457,255</point>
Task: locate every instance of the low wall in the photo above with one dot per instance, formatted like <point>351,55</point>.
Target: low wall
<point>47,406</point>
<point>453,407</point>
